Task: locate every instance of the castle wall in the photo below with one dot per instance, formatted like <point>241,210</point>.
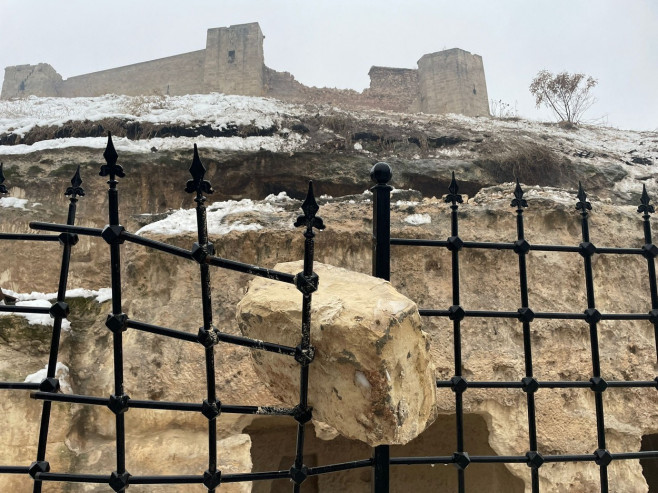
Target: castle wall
<point>174,75</point>
<point>25,80</point>
<point>394,89</point>
<point>235,62</point>
<point>452,81</point>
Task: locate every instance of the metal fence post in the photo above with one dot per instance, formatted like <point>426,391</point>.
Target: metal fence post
<point>381,267</point>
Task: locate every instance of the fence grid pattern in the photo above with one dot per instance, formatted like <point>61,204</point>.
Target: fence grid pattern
<point>208,336</point>
<point>602,457</point>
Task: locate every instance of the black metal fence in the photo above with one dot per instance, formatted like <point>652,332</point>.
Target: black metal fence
<point>203,253</point>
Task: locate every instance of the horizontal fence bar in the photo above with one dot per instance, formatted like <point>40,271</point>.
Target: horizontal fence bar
<point>251,269</point>
<point>510,246</point>
<point>157,245</point>
<point>343,466</point>
<point>429,312</point>
<point>65,228</point>
<point>183,479</point>
<point>163,331</point>
<point>72,478</point>
<point>74,398</point>
<point>28,237</point>
<point>255,344</point>
<point>25,309</point>
<point>551,385</point>
<point>19,386</point>
<point>255,476</point>
<point>163,405</point>
<point>14,469</point>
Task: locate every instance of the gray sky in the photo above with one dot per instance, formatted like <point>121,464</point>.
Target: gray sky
<point>334,43</point>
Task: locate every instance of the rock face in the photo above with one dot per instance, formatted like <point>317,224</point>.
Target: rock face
<point>372,378</point>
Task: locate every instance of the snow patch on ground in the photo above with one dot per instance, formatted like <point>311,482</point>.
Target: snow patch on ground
<point>418,219</point>
<point>61,373</point>
<point>218,215</point>
<point>13,202</point>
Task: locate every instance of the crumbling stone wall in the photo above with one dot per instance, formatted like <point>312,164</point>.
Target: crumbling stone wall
<point>450,81</point>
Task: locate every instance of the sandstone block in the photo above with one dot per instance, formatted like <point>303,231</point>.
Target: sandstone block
<point>372,378</point>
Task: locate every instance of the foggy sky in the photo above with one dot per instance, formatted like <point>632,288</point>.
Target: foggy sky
<point>334,43</point>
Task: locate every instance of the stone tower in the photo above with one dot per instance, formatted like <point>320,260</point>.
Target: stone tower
<point>234,61</point>
<point>452,81</point>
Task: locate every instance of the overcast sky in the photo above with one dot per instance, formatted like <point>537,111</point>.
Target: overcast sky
<point>334,43</point>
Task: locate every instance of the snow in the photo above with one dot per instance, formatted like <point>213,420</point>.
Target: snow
<point>218,216</point>
<point>101,295</point>
<point>45,300</point>
<point>418,219</point>
<point>13,202</point>
<point>219,110</point>
<point>37,318</point>
<point>61,373</point>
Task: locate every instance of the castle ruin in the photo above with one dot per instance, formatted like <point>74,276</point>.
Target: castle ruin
<point>449,81</point>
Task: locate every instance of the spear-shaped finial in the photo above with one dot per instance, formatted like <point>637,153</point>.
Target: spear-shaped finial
<point>310,208</point>
<point>3,189</point>
<point>645,206</point>
<point>197,183</point>
<point>518,201</point>
<point>582,204</point>
<point>111,168</point>
<point>75,189</point>
<point>453,196</point>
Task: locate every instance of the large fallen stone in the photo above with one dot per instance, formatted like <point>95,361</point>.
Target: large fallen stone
<point>372,378</point>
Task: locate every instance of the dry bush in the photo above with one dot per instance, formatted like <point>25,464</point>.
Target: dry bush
<point>145,104</point>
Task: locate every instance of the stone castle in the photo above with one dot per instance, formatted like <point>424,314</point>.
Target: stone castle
<point>449,81</point>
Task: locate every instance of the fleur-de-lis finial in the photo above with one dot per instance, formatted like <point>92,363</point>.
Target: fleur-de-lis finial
<point>518,200</point>
<point>111,168</point>
<point>197,183</point>
<point>75,189</point>
<point>453,196</point>
<point>3,189</point>
<point>310,208</point>
<point>645,206</point>
<point>582,204</point>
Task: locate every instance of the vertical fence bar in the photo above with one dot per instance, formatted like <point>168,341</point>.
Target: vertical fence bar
<point>530,384</point>
<point>59,310</point>
<point>461,460</point>
<point>381,174</point>
<point>650,252</point>
<point>592,317</point>
<point>307,283</point>
<point>207,334</point>
<point>116,321</point>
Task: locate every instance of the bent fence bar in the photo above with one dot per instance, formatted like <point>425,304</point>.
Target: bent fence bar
<point>208,336</point>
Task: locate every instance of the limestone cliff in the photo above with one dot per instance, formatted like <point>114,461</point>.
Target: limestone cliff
<point>336,149</point>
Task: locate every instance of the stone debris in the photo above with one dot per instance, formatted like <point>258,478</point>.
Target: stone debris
<point>372,378</point>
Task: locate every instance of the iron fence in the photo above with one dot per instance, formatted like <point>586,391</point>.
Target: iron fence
<point>208,336</point>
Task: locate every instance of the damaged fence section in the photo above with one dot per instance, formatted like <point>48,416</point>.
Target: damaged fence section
<point>202,252</point>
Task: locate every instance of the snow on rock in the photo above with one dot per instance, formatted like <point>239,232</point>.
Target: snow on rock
<point>218,213</point>
<point>38,318</point>
<point>61,373</point>
<point>418,219</point>
<point>13,202</point>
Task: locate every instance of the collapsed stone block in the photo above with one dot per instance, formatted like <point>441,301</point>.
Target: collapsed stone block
<point>372,378</point>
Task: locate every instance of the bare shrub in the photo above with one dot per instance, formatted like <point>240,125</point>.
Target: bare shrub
<point>567,95</point>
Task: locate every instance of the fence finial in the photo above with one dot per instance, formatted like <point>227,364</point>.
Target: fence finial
<point>645,206</point>
<point>197,183</point>
<point>111,168</point>
<point>518,200</point>
<point>582,204</point>
<point>75,188</point>
<point>310,208</point>
<point>453,188</point>
<point>3,189</point>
